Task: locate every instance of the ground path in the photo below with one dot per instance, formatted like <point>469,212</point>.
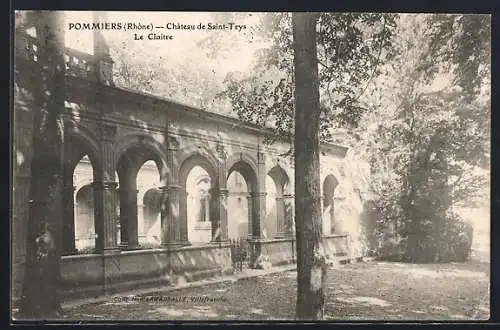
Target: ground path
<point>361,291</point>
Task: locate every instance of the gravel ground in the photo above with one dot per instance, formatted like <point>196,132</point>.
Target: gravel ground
<point>362,291</point>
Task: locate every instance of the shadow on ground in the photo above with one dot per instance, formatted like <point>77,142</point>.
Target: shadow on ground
<point>363,291</point>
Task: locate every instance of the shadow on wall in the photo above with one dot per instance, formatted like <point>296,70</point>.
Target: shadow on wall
<point>347,219</point>
<point>368,220</point>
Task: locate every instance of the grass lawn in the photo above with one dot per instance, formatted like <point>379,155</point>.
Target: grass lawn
<point>362,291</point>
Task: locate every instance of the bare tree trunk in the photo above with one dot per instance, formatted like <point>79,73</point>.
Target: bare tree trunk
<point>311,263</point>
<point>39,298</point>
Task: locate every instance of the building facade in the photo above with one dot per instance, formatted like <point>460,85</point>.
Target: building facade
<point>154,191</point>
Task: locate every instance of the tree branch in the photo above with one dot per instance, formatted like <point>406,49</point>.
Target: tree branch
<point>324,65</point>
<point>371,75</point>
<point>376,63</point>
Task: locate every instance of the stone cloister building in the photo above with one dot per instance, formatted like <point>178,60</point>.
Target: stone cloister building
<point>154,190</point>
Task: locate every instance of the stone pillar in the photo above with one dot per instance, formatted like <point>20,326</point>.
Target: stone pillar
<point>124,210</point>
<point>259,198</point>
<point>105,194</point>
<point>280,217</point>
<point>332,216</point>
<point>219,199</point>
<point>219,215</point>
<point>68,232</point>
<point>258,212</point>
<point>173,227</point>
<point>133,239</point>
<point>249,211</point>
<point>183,221</point>
<point>142,228</point>
<point>110,252</point>
<point>206,208</point>
<point>105,215</point>
<point>289,215</point>
<point>128,210</point>
<point>170,220</point>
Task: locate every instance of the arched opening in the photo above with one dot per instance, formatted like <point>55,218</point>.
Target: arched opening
<point>85,234</point>
<point>81,169</point>
<point>149,204</point>
<point>242,209</point>
<point>198,180</point>
<point>329,185</point>
<point>199,201</point>
<point>277,185</point>
<point>150,230</point>
<point>238,200</point>
<point>270,225</point>
<point>138,170</point>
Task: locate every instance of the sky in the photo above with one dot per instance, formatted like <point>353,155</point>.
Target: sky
<point>177,50</point>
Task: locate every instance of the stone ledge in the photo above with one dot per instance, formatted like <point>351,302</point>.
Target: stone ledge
<point>166,281</point>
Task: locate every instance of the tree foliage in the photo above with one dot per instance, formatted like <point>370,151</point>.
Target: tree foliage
<point>427,146</point>
<point>184,79</point>
<point>425,81</point>
<point>350,49</point>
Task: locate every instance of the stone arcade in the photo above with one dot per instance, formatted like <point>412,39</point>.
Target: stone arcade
<point>154,190</point>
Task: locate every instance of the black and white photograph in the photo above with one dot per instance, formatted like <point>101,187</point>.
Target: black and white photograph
<point>250,166</point>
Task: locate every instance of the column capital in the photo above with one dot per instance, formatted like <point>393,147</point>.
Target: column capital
<point>261,157</point>
<point>223,192</point>
<point>170,187</point>
<point>218,192</point>
<point>173,143</point>
<point>289,196</point>
<point>258,194</point>
<point>107,185</point>
<point>108,131</point>
<point>221,152</point>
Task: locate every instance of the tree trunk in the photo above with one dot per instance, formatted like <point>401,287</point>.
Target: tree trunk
<point>311,265</point>
<point>39,297</point>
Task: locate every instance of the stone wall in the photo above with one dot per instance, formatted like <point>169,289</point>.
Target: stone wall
<point>144,121</point>
<point>83,275</point>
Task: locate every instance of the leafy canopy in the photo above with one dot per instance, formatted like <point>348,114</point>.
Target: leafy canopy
<point>351,47</point>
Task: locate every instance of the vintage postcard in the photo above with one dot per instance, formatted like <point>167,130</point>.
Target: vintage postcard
<point>250,166</point>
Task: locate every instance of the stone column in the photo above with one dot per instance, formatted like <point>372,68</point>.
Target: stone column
<point>280,217</point>
<point>332,216</point>
<point>258,211</point>
<point>219,198</point>
<point>289,215</point>
<point>259,198</point>
<point>249,211</point>
<point>206,208</point>
<point>123,215</point>
<point>170,219</point>
<point>173,227</point>
<point>68,233</point>
<point>133,239</point>
<point>141,219</point>
<point>183,221</point>
<point>128,210</point>
<point>105,215</point>
<point>105,194</point>
<point>219,215</point>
